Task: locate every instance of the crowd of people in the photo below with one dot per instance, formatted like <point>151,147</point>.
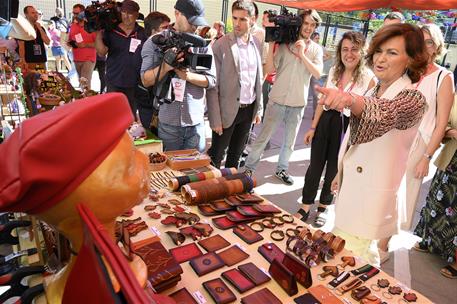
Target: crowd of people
<point>384,110</point>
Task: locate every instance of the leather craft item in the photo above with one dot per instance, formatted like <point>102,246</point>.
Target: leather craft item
<point>302,272</point>
<point>183,296</point>
<point>339,279</point>
<point>195,234</point>
<point>186,252</point>
<point>206,263</point>
<point>249,211</point>
<point>233,255</point>
<point>270,252</point>
<point>249,198</point>
<point>221,206</point>
<point>253,273</point>
<point>177,237</point>
<point>369,274</point>
<point>207,210</point>
<point>237,217</point>
<point>220,292</point>
<point>324,295</point>
<point>266,208</point>
<point>410,297</point>
<point>371,299</point>
<point>167,284</point>
<point>354,283</point>
<point>263,296</point>
<point>160,263</point>
<point>284,277</point>
<point>204,229</point>
<point>223,223</point>
<point>233,201</point>
<point>238,280</point>
<point>360,292</point>
<point>362,269</point>
<point>307,298</point>
<point>214,243</point>
<point>247,234</point>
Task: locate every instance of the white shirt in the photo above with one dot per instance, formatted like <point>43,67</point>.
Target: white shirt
<point>248,70</point>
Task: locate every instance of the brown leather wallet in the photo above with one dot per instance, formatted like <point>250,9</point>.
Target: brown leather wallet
<point>302,272</point>
<point>238,280</point>
<point>271,251</point>
<point>360,292</point>
<point>207,210</point>
<point>266,208</point>
<point>214,243</point>
<point>223,223</point>
<point>186,252</point>
<point>247,234</point>
<point>183,296</point>
<point>262,296</point>
<point>221,206</point>
<point>233,255</point>
<point>206,263</point>
<point>324,295</point>
<point>219,291</point>
<point>249,198</point>
<point>284,277</point>
<point>249,211</point>
<point>253,273</point>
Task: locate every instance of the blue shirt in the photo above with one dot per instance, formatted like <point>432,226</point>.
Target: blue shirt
<point>123,66</point>
<point>191,110</point>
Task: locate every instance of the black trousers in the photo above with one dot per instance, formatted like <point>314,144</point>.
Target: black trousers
<point>324,152</point>
<point>129,93</point>
<point>233,137</point>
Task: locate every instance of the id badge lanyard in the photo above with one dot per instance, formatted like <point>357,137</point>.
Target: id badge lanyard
<point>340,87</point>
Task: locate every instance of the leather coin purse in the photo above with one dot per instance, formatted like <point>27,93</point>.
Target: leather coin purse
<point>238,280</point>
<point>220,292</point>
<point>247,234</point>
<point>206,263</point>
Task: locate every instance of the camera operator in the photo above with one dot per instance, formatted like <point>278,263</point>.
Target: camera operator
<point>123,49</point>
<point>181,123</point>
<point>295,63</point>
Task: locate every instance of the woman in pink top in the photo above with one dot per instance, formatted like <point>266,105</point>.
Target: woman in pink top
<point>57,50</point>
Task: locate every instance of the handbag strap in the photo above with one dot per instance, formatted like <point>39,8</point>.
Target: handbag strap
<point>437,89</point>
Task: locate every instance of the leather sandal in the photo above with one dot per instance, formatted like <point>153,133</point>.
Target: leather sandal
<point>449,272</point>
<point>321,217</point>
<point>304,215</point>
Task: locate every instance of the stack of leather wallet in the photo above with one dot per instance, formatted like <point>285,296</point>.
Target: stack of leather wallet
<point>163,271</point>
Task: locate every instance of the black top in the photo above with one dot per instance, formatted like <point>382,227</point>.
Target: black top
<point>123,66</point>
<point>35,51</point>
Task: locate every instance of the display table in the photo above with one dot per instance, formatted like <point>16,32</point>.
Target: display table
<point>193,283</point>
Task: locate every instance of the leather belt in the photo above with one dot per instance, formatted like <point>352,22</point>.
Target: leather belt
<point>243,105</point>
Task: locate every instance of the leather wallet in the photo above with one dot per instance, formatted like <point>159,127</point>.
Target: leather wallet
<point>186,252</point>
<point>246,233</point>
<point>206,263</point>
<point>248,211</point>
<point>324,295</point>
<point>307,298</point>
<point>207,210</point>
<point>237,217</point>
<point>233,201</point>
<point>371,299</point>
<point>223,223</point>
<point>262,296</point>
<point>238,280</point>
<point>183,296</point>
<point>214,243</point>
<point>167,284</point>
<point>220,292</point>
<point>253,273</point>
<point>221,205</point>
<point>284,277</point>
<point>160,263</point>
<point>266,208</point>
<point>233,255</point>
<point>301,271</point>
<point>249,198</point>
<point>270,252</point>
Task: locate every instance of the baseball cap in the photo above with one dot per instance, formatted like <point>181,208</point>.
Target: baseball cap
<point>193,10</point>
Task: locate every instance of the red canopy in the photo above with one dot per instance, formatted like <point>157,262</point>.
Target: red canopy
<point>357,5</point>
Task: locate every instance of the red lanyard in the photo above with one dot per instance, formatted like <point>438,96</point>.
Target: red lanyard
<point>125,35</point>
<point>340,86</point>
<point>419,82</point>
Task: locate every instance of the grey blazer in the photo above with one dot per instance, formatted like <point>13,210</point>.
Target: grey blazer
<point>223,101</point>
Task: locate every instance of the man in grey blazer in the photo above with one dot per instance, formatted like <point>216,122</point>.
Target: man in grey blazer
<point>236,101</point>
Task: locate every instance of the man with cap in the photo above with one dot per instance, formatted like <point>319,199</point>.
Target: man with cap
<point>181,122</point>
<point>123,49</point>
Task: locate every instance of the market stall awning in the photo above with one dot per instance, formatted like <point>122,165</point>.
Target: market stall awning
<point>357,5</point>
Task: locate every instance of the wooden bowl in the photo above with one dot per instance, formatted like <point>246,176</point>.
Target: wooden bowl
<point>49,100</point>
<point>158,166</point>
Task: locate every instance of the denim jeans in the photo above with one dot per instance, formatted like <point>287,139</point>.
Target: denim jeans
<point>275,114</point>
<point>181,138</point>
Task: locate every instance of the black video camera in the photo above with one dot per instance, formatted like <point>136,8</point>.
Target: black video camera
<point>286,29</point>
<point>105,15</point>
<point>172,43</point>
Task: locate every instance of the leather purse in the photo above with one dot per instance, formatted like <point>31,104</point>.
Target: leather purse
<point>262,296</point>
<point>251,271</point>
<point>220,292</point>
<point>221,206</point>
<point>206,263</point>
<point>183,296</point>
<point>238,280</point>
<point>307,298</point>
<point>302,272</point>
<point>233,201</point>
<point>223,223</point>
<point>249,211</point>
<point>266,208</point>
<point>247,234</point>
<point>270,252</point>
<point>360,292</point>
<point>207,210</point>
<point>284,277</point>
<point>186,252</point>
<point>233,255</point>
<point>214,243</point>
<point>248,198</point>
<point>324,295</point>
<point>237,217</point>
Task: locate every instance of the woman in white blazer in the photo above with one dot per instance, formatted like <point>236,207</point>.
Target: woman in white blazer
<point>374,152</point>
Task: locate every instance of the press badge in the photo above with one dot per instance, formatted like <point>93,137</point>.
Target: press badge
<point>179,86</point>
<point>37,50</point>
<point>79,38</point>
<point>134,43</point>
